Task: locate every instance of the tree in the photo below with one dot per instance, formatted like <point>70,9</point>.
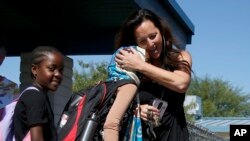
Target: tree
<point>90,75</point>
<point>220,98</point>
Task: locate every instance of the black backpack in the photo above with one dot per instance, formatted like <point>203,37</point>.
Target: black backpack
<point>84,105</point>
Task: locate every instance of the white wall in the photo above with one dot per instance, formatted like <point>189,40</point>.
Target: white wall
<point>193,99</point>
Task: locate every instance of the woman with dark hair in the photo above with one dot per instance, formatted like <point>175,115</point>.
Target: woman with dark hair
<point>166,77</point>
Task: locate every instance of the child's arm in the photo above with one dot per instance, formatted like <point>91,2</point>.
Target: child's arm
<point>36,133</point>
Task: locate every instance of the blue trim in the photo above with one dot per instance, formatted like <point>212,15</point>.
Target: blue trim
<point>180,14</point>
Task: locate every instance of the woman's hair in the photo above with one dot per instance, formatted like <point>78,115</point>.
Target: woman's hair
<point>169,56</point>
<point>40,53</point>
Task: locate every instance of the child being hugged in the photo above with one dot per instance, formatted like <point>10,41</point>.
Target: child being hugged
<point>33,113</point>
<point>125,93</point>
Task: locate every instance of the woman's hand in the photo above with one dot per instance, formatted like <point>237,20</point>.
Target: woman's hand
<point>129,59</point>
<point>148,112</point>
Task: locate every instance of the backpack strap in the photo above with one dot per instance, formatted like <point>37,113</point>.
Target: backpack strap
<point>103,95</point>
<point>28,88</point>
<point>109,87</point>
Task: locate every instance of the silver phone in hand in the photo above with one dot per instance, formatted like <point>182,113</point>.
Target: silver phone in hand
<point>161,105</point>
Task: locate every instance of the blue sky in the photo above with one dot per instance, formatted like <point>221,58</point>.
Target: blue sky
<point>220,47</point>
